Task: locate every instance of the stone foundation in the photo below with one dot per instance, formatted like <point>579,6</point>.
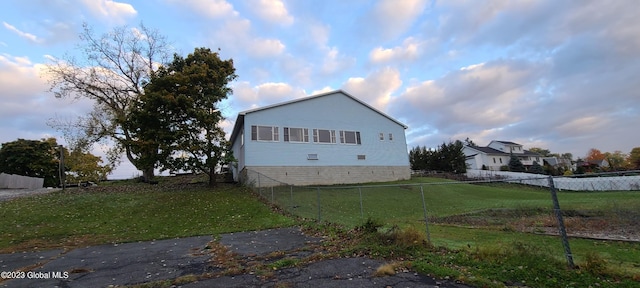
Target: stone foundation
<point>267,176</point>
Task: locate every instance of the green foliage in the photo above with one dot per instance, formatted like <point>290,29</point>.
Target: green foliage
<point>447,157</point>
<point>634,158</point>
<point>542,152</point>
<point>83,166</point>
<point>515,165</point>
<point>33,158</point>
<point>178,118</point>
<point>112,75</point>
<point>536,168</point>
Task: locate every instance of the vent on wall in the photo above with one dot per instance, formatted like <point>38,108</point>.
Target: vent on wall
<point>362,157</point>
<point>312,156</point>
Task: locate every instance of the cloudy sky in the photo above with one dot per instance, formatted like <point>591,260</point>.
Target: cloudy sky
<point>560,75</point>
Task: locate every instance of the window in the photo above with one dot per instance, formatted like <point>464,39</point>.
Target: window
<point>500,160</point>
<point>264,133</point>
<point>362,157</point>
<point>494,160</point>
<point>381,136</point>
<point>296,134</point>
<point>312,156</point>
<point>324,136</point>
<point>390,136</point>
<point>350,137</point>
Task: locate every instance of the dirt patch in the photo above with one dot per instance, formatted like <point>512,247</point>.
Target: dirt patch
<point>8,194</point>
<point>617,225</point>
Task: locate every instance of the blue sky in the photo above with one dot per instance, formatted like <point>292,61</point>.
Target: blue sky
<point>560,75</point>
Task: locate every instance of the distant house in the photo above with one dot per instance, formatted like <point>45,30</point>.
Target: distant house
<point>329,138</point>
<point>498,154</point>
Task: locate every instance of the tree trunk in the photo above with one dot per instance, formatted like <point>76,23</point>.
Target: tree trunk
<point>147,175</point>
<point>212,177</point>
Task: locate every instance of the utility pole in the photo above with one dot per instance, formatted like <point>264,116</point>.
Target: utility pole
<point>61,173</point>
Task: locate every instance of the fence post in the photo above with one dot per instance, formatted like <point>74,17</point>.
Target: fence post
<point>361,207</point>
<point>426,220</point>
<point>291,196</point>
<point>319,213</point>
<point>272,200</point>
<point>562,229</point>
<point>259,187</point>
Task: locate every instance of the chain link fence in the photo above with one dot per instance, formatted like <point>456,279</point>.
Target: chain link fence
<point>603,206</point>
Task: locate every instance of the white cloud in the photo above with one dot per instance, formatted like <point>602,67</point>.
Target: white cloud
<point>30,37</point>
<point>319,33</point>
<point>408,51</point>
<point>209,8</point>
<point>391,18</point>
<point>109,9</point>
<point>376,88</point>
<point>249,97</point>
<point>273,11</point>
<point>237,34</point>
<point>262,48</point>
<point>26,104</point>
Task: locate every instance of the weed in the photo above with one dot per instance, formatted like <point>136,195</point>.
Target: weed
<point>595,264</point>
<point>388,269</point>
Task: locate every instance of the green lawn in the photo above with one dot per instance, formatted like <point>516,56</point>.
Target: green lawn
<point>401,204</point>
<point>83,217</point>
<point>351,206</point>
<point>123,212</point>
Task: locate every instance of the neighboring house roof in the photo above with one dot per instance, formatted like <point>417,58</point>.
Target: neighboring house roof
<point>506,142</point>
<point>240,119</point>
<point>489,150</point>
<point>553,161</point>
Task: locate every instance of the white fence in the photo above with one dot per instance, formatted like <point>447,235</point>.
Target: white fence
<point>10,181</point>
<point>599,182</point>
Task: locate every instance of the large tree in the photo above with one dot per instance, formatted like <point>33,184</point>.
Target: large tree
<point>541,151</point>
<point>181,114</point>
<point>33,158</point>
<point>112,73</point>
<point>634,158</point>
<point>447,157</point>
<point>594,155</point>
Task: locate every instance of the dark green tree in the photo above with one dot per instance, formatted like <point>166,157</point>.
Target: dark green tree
<point>112,73</point>
<point>536,168</point>
<point>447,157</point>
<point>179,116</point>
<point>633,159</point>
<point>33,158</point>
<point>515,165</point>
<point>542,152</point>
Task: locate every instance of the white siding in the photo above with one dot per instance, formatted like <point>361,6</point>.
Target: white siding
<point>334,112</point>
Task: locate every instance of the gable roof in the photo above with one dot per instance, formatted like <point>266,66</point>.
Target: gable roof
<point>240,119</point>
<point>489,150</point>
<point>506,142</point>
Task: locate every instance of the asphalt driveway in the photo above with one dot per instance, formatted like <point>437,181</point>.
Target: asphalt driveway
<point>193,260</point>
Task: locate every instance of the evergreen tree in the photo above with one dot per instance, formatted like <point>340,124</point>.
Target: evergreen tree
<point>515,165</point>
<point>536,168</point>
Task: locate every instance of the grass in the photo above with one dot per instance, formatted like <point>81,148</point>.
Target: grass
<point>481,256</point>
<point>512,264</point>
<point>82,217</point>
<point>500,208</point>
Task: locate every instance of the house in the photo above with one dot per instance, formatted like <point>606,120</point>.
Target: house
<point>498,154</point>
<point>329,138</point>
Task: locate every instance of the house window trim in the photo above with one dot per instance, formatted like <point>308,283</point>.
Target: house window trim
<point>343,139</point>
<point>255,134</point>
<point>286,135</point>
<point>390,136</point>
<point>381,136</point>
<point>332,136</point>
